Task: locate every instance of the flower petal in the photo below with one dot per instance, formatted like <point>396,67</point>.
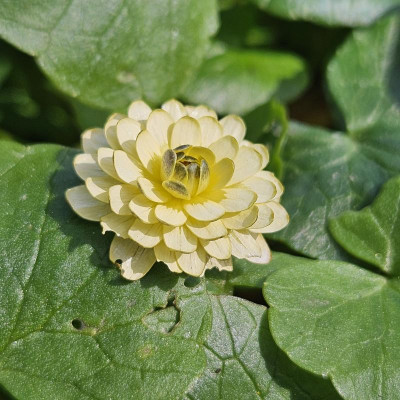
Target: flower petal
<point>204,209</point>
<point>200,111</point>
<point>218,248</point>
<point>265,189</point>
<point>244,244</point>
<point>127,131</point>
<point>281,219</point>
<point>264,218</point>
<point>164,254</point>
<point>175,109</point>
<point>247,163</point>
<point>211,130</point>
<point>143,208</point>
<point>264,153</point>
<point>185,131</point>
<point>269,176</point>
<point>153,190</point>
<point>119,224</point>
<point>105,158</point>
<point>226,147</point>
<point>127,167</point>
<point>207,230</point>
<point>139,110</point>
<point>179,238</point>
<point>147,235</point>
<point>98,187</point>
<point>171,213</point>
<point>265,256</point>
<point>222,265</point>
<point>86,166</point>
<point>221,173</point>
<point>233,126</point>
<point>136,261</point>
<point>149,152</point>
<point>111,130</point>
<point>92,140</point>
<point>193,263</point>
<point>241,220</point>
<point>234,199</point>
<point>120,196</point>
<point>158,124</point>
<point>85,205</point>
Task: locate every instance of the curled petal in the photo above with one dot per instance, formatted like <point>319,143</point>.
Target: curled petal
<point>111,131</point>
<point>244,244</point>
<point>92,140</point>
<point>170,213</point>
<point>105,158</point>
<point>222,265</point>
<point>127,167</point>
<point>167,256</point>
<point>185,131</point>
<point>119,224</point>
<point>86,166</point>
<point>234,199</point>
<point>127,131</point>
<point>207,230</point>
<point>139,110</point>
<point>147,235</point>
<point>143,208</point>
<point>233,126</point>
<point>226,147</point>
<point>175,109</point>
<point>265,256</point>
<point>218,248</point>
<point>85,205</point>
<point>211,130</point>
<point>193,263</point>
<point>204,209</point>
<point>149,152</point>
<point>98,187</point>
<point>281,219</point>
<point>153,190</point>
<point>158,125</point>
<point>247,163</point>
<point>241,220</point>
<point>135,260</point>
<point>120,196</point>
<point>179,238</point>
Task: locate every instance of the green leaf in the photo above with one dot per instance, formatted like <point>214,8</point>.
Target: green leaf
<point>108,53</point>
<point>327,173</point>
<point>241,362</point>
<point>73,328</point>
<point>240,80</point>
<point>330,12</point>
<point>341,322</point>
<point>373,233</point>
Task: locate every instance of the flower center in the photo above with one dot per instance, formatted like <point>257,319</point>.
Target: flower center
<point>184,172</point>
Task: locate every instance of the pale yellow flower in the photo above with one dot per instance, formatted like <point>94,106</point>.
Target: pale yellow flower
<point>179,186</point>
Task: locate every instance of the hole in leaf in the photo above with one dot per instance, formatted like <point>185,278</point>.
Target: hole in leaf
<point>191,281</point>
<point>218,370</point>
<point>78,324</point>
<point>163,319</point>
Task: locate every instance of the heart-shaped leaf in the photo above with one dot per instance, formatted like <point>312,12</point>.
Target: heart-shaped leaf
<point>373,234</point>
<point>338,320</point>
<point>109,52</point>
<point>327,173</point>
<point>237,81</point>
